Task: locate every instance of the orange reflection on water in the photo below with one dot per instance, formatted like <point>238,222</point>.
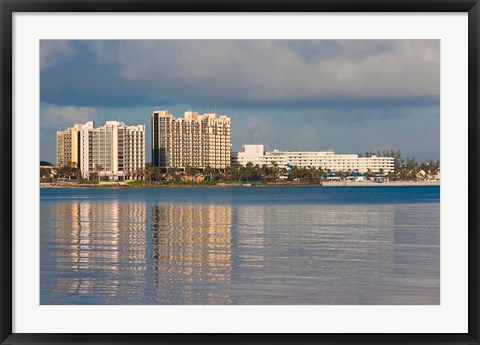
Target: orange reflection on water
<point>191,249</point>
<point>126,249</point>
<point>99,238</point>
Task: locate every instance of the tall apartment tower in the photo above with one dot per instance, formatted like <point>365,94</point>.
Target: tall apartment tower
<point>197,141</point>
<point>114,150</point>
<point>68,145</point>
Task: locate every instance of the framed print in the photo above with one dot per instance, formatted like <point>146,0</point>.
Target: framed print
<point>239,172</point>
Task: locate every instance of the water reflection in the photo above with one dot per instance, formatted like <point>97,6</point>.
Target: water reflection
<point>117,253</point>
<point>158,253</point>
<point>349,254</point>
<point>99,247</point>
<point>100,236</point>
<point>191,253</point>
<point>327,257</point>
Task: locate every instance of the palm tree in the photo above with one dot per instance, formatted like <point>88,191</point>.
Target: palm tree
<point>233,172</point>
<point>139,172</point>
<point>191,171</point>
<point>369,174</point>
<point>208,173</point>
<point>148,173</point>
<point>172,172</point>
<point>264,170</point>
<point>275,170</point>
<point>97,168</point>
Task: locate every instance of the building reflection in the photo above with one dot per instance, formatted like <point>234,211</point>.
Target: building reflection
<point>127,253</point>
<point>191,253</point>
<point>123,253</point>
<point>101,244</point>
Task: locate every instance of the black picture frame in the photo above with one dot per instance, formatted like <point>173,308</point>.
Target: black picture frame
<point>9,7</point>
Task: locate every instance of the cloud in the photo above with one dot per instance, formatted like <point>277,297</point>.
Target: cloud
<point>349,95</point>
<point>247,73</point>
<point>66,116</point>
<point>53,52</point>
<point>319,129</point>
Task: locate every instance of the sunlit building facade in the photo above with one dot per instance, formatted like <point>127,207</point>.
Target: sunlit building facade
<point>68,145</point>
<point>326,160</point>
<point>195,140</point>
<point>114,150</point>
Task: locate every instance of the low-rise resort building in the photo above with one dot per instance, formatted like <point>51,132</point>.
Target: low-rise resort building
<point>326,160</point>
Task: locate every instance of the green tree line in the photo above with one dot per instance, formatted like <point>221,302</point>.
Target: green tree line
<point>404,169</point>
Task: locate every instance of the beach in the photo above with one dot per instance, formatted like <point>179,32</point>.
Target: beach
<point>376,184</point>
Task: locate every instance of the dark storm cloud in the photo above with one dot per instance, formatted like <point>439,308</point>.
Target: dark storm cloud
<point>240,74</point>
<point>414,131</point>
<point>326,49</point>
<point>347,95</point>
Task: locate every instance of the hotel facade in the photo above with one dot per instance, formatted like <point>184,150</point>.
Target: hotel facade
<point>326,160</point>
<point>197,141</point>
<point>68,145</point>
<point>114,150</point>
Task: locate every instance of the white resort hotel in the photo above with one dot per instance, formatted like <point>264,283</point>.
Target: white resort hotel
<point>114,150</point>
<point>326,160</point>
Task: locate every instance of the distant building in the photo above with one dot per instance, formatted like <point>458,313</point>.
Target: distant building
<point>197,141</point>
<point>68,145</point>
<point>114,150</point>
<point>254,154</point>
<point>327,160</point>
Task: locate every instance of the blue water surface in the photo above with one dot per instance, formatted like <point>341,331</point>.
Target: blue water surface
<point>311,195</point>
<point>375,245</point>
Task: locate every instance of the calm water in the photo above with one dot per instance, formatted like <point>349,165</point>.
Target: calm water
<point>268,245</point>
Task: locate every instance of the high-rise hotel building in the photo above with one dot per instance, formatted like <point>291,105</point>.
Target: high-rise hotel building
<point>114,150</point>
<point>197,141</point>
<point>68,145</point>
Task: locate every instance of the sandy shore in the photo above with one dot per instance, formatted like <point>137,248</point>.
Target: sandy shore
<point>383,184</point>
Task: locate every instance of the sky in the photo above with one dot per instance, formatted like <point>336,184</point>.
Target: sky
<point>352,96</point>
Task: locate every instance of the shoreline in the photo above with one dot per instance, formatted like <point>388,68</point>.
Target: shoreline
<point>382,184</point>
<point>229,185</point>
